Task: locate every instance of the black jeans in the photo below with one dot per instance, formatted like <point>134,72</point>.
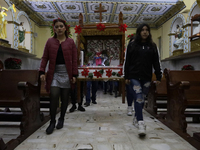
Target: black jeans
<point>74,94</point>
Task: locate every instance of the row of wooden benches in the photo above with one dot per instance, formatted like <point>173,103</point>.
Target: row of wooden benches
<point>22,89</point>
<point>21,98</point>
<point>178,91</point>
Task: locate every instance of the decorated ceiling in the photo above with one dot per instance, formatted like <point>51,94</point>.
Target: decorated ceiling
<point>153,12</point>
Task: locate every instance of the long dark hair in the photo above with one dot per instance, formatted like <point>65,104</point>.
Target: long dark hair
<point>64,23</point>
<point>138,38</point>
<point>131,39</point>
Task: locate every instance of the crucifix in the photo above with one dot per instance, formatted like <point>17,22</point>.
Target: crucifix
<point>100,10</point>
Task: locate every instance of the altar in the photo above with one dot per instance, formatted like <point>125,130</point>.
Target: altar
<point>104,38</point>
<point>101,73</point>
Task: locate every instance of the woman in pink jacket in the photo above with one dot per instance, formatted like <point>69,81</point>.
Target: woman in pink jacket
<point>61,54</point>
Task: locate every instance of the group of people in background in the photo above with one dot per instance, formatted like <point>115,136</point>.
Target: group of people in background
<point>61,54</point>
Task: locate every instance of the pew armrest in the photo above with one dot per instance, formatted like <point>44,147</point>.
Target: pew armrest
<point>184,85</point>
<point>24,85</point>
<point>180,85</point>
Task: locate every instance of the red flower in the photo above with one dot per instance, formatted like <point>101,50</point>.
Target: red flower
<point>122,28</point>
<point>100,27</point>
<point>187,67</point>
<point>78,29</point>
<point>97,73</point>
<point>85,72</point>
<point>109,73</point>
<point>13,63</point>
<point>120,72</point>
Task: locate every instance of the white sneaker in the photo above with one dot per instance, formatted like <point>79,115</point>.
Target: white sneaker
<point>141,128</point>
<point>135,122</point>
<point>130,111</point>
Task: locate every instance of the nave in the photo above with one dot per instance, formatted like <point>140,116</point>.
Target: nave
<point>105,126</point>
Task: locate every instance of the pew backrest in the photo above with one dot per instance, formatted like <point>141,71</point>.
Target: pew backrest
<point>193,77</point>
<point>1,65</point>
<point>9,80</point>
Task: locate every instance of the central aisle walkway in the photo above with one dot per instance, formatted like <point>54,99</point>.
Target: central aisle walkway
<point>105,126</point>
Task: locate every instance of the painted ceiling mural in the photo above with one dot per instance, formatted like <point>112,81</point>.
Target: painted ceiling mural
<point>153,12</point>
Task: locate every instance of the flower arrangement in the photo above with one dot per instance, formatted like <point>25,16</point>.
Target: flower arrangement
<point>130,36</point>
<point>68,29</point>
<point>13,63</point>
<point>99,73</point>
<point>78,29</point>
<point>101,27</point>
<point>187,67</point>
<point>122,28</point>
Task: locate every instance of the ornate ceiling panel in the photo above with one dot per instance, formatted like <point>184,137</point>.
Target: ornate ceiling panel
<point>129,8</point>
<point>69,7</point>
<point>135,12</point>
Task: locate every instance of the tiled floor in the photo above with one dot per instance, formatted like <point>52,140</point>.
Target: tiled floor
<point>105,126</point>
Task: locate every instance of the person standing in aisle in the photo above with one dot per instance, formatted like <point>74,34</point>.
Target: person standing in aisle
<point>61,53</point>
<point>142,55</point>
<point>129,90</point>
<point>74,99</point>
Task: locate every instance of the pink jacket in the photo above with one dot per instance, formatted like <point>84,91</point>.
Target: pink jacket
<point>50,54</point>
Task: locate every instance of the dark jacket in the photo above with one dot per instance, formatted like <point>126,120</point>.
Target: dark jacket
<point>140,59</point>
<point>50,54</point>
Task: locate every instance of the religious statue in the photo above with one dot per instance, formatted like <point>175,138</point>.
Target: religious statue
<point>22,32</point>
<point>3,21</point>
<point>178,43</point>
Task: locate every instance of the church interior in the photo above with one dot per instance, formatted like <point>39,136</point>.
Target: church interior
<point>100,29</point>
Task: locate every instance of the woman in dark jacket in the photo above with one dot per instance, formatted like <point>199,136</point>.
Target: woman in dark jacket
<point>141,56</point>
<point>61,53</point>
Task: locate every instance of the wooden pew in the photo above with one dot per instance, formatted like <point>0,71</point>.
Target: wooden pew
<point>45,101</point>
<point>20,89</point>
<point>44,97</point>
<point>183,88</point>
<point>1,65</point>
<point>157,96</point>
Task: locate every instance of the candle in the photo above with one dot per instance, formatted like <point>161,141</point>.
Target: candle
<point>82,57</point>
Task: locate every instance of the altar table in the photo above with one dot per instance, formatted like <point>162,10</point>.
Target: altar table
<point>101,73</point>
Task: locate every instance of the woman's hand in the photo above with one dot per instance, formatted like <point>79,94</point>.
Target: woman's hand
<point>73,80</point>
<point>42,77</point>
<point>127,81</point>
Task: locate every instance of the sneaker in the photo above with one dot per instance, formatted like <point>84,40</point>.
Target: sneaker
<point>135,122</point>
<point>80,108</point>
<point>129,110</point>
<point>141,128</point>
<point>73,108</point>
<point>86,104</point>
<point>94,102</point>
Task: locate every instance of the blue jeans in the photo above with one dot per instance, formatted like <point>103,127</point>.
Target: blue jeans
<point>94,90</point>
<point>140,90</point>
<point>129,94</point>
<point>110,83</point>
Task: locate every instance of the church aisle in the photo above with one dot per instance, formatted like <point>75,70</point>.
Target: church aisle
<point>105,126</point>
